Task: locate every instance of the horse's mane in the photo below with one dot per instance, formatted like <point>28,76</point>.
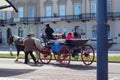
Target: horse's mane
<point>17,40</point>
<point>15,37</point>
<point>35,38</point>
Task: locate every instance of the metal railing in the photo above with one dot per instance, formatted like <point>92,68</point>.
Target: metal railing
<point>113,15</point>
<point>81,17</point>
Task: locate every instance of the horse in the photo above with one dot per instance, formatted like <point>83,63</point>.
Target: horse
<point>18,41</point>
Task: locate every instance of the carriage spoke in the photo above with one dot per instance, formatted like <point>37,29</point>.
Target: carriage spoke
<point>64,59</point>
<point>45,59</point>
<point>88,59</point>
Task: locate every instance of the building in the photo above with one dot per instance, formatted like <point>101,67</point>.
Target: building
<point>62,15</point>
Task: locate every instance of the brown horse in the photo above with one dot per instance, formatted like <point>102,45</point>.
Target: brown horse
<point>19,40</point>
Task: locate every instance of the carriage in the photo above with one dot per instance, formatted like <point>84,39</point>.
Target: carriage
<point>66,50</point>
<point>61,50</point>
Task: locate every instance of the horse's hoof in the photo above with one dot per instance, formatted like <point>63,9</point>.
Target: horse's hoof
<point>37,61</point>
<point>16,60</point>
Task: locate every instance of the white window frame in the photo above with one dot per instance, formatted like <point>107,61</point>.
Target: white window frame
<point>48,10</point>
<point>20,12</point>
<point>1,15</point>
<point>108,5</point>
<point>31,11</point>
<point>77,9</point>
<point>94,32</point>
<point>93,6</point>
<point>62,9</point>
<point>8,15</point>
<point>20,32</point>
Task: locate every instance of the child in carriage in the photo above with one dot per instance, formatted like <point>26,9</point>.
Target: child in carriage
<point>69,36</point>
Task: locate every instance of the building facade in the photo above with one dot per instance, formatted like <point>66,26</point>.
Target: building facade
<point>62,15</point>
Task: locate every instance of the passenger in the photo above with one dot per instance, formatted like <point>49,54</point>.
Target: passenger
<point>49,31</point>
<point>75,34</point>
<point>64,35</point>
<point>29,45</point>
<point>69,36</point>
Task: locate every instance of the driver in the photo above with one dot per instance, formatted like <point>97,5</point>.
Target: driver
<point>49,31</point>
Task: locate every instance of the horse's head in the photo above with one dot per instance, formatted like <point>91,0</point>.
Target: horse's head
<point>10,40</point>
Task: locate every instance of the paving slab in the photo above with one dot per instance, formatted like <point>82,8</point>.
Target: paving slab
<point>5,78</point>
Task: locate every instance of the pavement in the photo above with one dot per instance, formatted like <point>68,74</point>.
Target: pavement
<point>10,70</point>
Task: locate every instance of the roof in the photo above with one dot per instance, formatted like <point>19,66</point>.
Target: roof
<point>6,5</point>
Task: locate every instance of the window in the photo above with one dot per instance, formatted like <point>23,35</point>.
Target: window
<point>48,8</point>
<point>32,31</point>
<point>62,10</point>
<point>108,31</point>
<point>77,9</point>
<point>20,32</point>
<point>20,12</point>
<point>31,11</point>
<point>108,5</point>
<point>0,37</point>
<point>48,11</point>
<point>93,6</point>
<point>94,32</point>
<point>9,33</point>
<point>8,15</point>
<point>1,15</point>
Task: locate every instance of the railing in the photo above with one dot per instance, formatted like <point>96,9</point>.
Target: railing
<point>1,21</point>
<point>82,17</point>
<point>29,19</point>
<point>113,15</point>
<point>88,16</point>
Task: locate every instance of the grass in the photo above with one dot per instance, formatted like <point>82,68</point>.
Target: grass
<point>110,58</point>
<point>11,56</point>
<point>114,58</point>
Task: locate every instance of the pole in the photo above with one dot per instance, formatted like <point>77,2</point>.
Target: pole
<point>102,40</point>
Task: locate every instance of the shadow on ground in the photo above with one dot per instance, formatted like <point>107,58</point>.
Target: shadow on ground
<point>14,72</point>
<point>76,66</point>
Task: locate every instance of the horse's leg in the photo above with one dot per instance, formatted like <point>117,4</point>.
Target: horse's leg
<point>17,56</point>
<point>37,55</point>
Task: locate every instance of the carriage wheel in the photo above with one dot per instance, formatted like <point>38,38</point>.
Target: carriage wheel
<point>87,54</point>
<point>64,56</point>
<point>45,56</point>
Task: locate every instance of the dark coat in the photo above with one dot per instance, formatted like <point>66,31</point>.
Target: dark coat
<point>49,32</point>
<point>75,34</point>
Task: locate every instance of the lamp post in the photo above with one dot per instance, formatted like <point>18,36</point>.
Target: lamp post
<point>102,40</point>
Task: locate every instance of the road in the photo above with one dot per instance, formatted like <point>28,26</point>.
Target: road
<point>10,70</point>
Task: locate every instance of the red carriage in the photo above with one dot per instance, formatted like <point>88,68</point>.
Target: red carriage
<point>66,50</point>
